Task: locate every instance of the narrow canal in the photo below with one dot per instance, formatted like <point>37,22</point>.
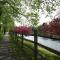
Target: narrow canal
<point>54,44</point>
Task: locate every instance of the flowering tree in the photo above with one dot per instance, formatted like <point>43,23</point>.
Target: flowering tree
<point>23,30</point>
<point>53,28</point>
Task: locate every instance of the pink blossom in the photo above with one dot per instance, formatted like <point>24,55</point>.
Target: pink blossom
<point>23,29</point>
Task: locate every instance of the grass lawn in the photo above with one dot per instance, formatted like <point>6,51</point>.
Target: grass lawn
<point>27,52</point>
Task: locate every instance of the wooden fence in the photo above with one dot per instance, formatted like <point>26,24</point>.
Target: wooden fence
<point>37,44</point>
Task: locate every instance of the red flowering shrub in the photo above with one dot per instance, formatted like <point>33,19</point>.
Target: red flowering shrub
<point>23,29</point>
<point>53,28</point>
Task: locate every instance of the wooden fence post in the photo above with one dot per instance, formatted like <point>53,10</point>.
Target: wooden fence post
<point>16,38</point>
<point>22,40</point>
<point>35,45</point>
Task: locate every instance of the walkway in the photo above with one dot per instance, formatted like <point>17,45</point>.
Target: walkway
<point>5,50</point>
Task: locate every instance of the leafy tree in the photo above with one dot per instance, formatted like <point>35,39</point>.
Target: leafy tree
<point>30,9</point>
<point>40,30</point>
<point>8,10</point>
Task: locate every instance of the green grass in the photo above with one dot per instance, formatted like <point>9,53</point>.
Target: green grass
<point>50,55</point>
<point>27,52</point>
<point>24,53</point>
<point>44,52</point>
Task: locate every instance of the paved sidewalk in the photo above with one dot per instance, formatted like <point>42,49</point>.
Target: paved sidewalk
<point>5,50</point>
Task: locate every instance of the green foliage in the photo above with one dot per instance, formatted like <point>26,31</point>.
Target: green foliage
<point>1,36</point>
<point>10,10</point>
<point>40,30</point>
<point>34,7</point>
<point>33,18</point>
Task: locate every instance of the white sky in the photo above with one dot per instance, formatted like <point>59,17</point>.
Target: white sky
<point>43,19</point>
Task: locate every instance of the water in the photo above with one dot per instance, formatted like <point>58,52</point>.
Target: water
<point>54,44</point>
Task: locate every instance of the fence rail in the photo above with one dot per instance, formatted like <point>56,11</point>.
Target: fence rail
<point>49,49</point>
